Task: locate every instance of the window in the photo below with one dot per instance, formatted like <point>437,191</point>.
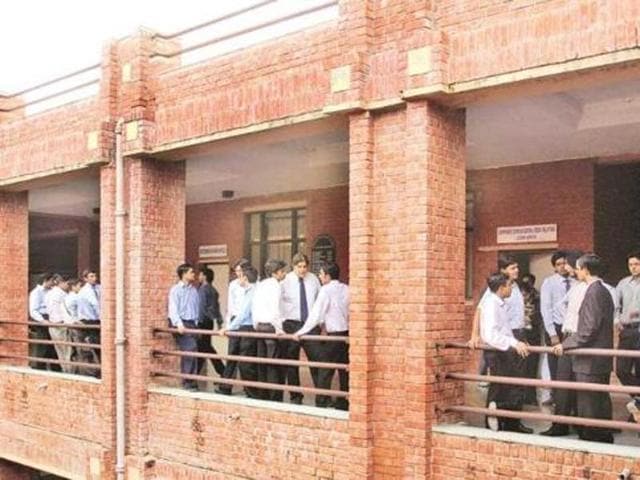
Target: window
<point>275,234</point>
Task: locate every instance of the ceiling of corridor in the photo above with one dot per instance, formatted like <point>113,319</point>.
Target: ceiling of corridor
<point>595,122</point>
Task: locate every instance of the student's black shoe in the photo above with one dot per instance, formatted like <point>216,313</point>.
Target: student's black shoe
<point>296,400</point>
<point>556,431</point>
<point>518,428</point>
<point>222,390</point>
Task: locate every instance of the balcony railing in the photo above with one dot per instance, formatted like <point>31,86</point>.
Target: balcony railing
<point>77,367</point>
<point>280,362</point>
<point>554,384</point>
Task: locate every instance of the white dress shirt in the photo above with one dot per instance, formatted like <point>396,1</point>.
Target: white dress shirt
<point>71,303</point>
<point>331,308</point>
<point>89,302</point>
<point>553,306</point>
<point>54,299</point>
<point>37,305</point>
<point>495,328</point>
<point>574,299</point>
<point>267,304</point>
<point>235,297</point>
<point>514,304</point>
<point>291,294</point>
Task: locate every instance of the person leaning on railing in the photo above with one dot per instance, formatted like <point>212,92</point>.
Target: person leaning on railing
<point>594,330</point>
<point>54,300</point>
<point>507,359</point>
<point>38,313</point>
<point>627,323</point>
<point>331,309</point>
<point>89,313</point>
<point>247,346</point>
<point>266,312</point>
<point>184,308</point>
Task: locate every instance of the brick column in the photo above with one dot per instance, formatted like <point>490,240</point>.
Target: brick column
<point>14,270</point>
<point>155,245</point>
<point>407,180</point>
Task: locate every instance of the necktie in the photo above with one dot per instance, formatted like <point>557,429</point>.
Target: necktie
<point>304,309</point>
<point>567,284</point>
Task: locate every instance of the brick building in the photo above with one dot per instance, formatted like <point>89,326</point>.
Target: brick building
<point>400,133</point>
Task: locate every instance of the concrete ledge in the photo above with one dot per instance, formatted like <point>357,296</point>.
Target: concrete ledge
<point>250,402</point>
<point>560,443</point>
<point>46,373</point>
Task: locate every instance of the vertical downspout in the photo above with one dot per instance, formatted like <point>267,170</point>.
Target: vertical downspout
<point>120,340</point>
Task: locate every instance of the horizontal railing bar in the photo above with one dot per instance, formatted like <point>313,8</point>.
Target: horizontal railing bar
<point>49,97</point>
<point>591,352</point>
<point>241,358</point>
<point>235,13</point>
<point>275,336</point>
<point>54,80</point>
<point>243,31</point>
<point>79,326</point>
<point>249,383</point>
<point>529,382</point>
<point>579,421</point>
<point>94,366</point>
<point>51,342</point>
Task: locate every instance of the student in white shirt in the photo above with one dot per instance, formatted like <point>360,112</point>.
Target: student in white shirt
<point>331,309</point>
<point>38,313</point>
<point>506,359</point>
<point>54,300</point>
<point>299,291</point>
<point>266,313</point>
<point>235,299</point>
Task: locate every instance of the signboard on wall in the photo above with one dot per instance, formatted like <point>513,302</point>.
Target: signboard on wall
<point>212,252</point>
<point>528,234</point>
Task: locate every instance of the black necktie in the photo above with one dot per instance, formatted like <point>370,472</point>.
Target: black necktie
<point>567,285</point>
<point>304,311</point>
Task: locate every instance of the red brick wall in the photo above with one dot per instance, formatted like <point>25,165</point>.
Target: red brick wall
<point>489,37</point>
<point>231,441</point>
<point>558,192</point>
<point>47,141</point>
<point>473,458</point>
<point>223,222</point>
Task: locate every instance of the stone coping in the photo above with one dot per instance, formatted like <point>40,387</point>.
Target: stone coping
<point>561,443</point>
<point>48,374</point>
<point>251,402</point>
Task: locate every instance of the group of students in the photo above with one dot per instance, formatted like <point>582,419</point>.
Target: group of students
<point>65,301</point>
<point>575,309</point>
<point>284,306</point>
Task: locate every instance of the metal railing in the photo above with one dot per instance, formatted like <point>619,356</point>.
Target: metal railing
<point>553,384</point>
<point>55,94</point>
<point>277,362</point>
<point>88,368</point>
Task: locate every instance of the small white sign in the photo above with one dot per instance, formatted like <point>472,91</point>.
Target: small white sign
<point>528,234</point>
<point>212,251</point>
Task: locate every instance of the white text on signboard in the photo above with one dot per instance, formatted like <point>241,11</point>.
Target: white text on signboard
<point>528,234</point>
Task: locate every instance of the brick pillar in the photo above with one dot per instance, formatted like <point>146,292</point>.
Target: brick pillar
<point>407,180</point>
<point>14,271</point>
<point>155,244</point>
<point>361,294</point>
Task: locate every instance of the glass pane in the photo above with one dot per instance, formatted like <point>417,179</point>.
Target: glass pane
<point>278,225</point>
<point>302,224</point>
<point>254,234</point>
<point>255,259</point>
<point>280,251</point>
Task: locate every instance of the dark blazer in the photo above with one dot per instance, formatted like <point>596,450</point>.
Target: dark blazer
<point>595,330</point>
